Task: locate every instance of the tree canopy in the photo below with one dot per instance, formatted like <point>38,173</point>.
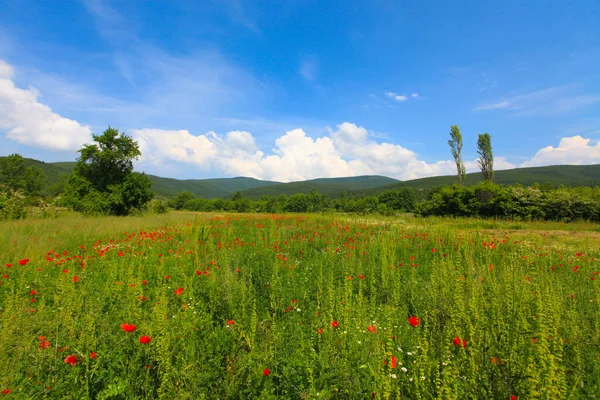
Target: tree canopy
<point>15,174</point>
<point>103,181</point>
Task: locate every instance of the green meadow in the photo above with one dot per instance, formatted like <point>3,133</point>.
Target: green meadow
<point>234,306</point>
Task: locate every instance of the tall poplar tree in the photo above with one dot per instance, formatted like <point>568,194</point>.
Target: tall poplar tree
<point>456,145</point>
<point>486,158</point>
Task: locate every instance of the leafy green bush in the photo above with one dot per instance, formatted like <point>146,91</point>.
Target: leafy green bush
<point>12,204</point>
<point>515,202</point>
<point>159,206</point>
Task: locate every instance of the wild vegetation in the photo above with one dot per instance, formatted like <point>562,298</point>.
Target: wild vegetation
<point>297,306</point>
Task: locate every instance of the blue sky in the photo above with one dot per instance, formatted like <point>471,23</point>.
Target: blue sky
<point>291,90</point>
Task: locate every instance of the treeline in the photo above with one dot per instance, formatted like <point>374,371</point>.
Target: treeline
<point>388,202</point>
<point>488,200</point>
<point>484,200</point>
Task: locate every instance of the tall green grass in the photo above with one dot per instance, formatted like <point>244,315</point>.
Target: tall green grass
<point>258,306</point>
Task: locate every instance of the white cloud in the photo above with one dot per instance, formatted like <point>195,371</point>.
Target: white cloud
<point>6,70</point>
<point>574,150</point>
<point>29,122</point>
<point>395,96</point>
<point>162,146</point>
<point>347,151</point>
<point>415,95</point>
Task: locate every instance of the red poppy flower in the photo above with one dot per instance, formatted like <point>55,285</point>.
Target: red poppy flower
<point>72,360</point>
<point>128,328</point>
<point>33,292</point>
<point>45,344</point>
<point>335,324</point>
<point>5,392</point>
<point>24,261</point>
<point>320,331</point>
<point>144,282</point>
<point>266,371</point>
<point>8,265</point>
<point>230,322</point>
<point>75,279</point>
<point>393,362</point>
<point>371,328</point>
<point>179,291</point>
<point>414,321</point>
<point>458,342</point>
<point>93,355</point>
<point>145,340</point>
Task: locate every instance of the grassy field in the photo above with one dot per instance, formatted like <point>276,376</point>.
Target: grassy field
<point>193,306</point>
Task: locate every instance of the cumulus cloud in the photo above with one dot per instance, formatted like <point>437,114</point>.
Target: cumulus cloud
<point>574,150</point>
<point>29,122</point>
<point>346,151</point>
<point>6,70</point>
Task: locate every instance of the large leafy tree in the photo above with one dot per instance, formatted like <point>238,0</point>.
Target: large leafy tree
<point>486,158</point>
<point>456,145</point>
<point>103,180</point>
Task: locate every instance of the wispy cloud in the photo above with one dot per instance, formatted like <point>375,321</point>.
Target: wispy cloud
<point>493,106</point>
<point>239,13</point>
<point>553,100</point>
<point>397,97</point>
<point>309,69</point>
<point>189,86</point>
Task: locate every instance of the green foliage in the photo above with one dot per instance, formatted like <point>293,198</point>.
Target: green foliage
<point>179,200</point>
<point>103,181</point>
<point>500,313</point>
<point>35,180</point>
<point>12,204</point>
<point>513,202</point>
<point>159,206</point>
<point>401,200</point>
<point>456,145</point>
<point>199,204</point>
<point>486,157</point>
<point>16,174</point>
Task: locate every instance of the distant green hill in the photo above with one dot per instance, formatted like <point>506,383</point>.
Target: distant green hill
<point>331,187</point>
<point>568,175</point>
<point>57,172</point>
<point>205,188</point>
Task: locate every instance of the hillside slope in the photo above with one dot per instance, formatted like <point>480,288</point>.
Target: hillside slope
<point>568,175</point>
<point>359,186</point>
<point>332,187</point>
